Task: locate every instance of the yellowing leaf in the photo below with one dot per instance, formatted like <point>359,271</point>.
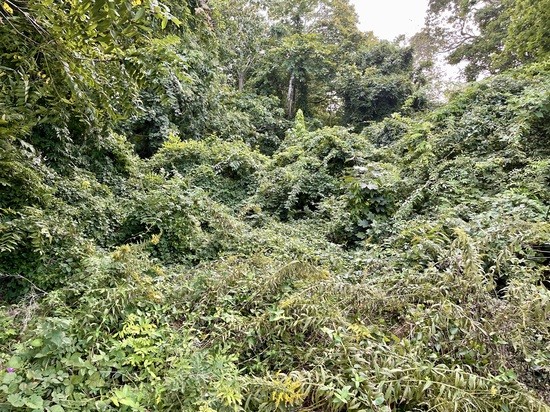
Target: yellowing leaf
<point>7,8</point>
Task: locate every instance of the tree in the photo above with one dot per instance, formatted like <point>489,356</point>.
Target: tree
<point>308,38</point>
<point>377,83</point>
<point>291,67</point>
<point>242,32</point>
<point>528,36</point>
<point>84,59</point>
<point>490,36</point>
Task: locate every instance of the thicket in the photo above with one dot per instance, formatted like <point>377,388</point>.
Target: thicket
<point>217,250</point>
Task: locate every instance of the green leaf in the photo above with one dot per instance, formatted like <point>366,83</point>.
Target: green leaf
<point>379,400</point>
<point>139,14</point>
<point>35,402</point>
<point>9,378</point>
<point>15,362</point>
<point>343,394</point>
<point>16,400</point>
<point>427,385</point>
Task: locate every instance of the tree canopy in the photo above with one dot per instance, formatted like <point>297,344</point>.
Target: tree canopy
<point>488,35</point>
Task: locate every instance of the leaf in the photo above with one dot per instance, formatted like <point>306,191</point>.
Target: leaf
<point>379,400</point>
<point>9,378</point>
<point>364,223</point>
<point>7,8</point>
<point>15,362</point>
<point>427,386</point>
<point>129,402</point>
<point>16,400</point>
<point>139,14</point>
<point>35,402</point>
<point>343,394</point>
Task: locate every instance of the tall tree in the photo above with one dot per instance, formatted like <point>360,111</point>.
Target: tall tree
<point>308,38</point>
<point>242,32</point>
<point>376,83</point>
<point>489,36</point>
<point>528,36</point>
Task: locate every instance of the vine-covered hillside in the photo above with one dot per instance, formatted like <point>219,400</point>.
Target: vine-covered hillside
<point>254,206</point>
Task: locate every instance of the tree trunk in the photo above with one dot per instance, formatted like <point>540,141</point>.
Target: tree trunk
<point>290,97</point>
<point>241,80</point>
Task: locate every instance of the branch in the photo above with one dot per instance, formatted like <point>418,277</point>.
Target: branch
<point>4,276</point>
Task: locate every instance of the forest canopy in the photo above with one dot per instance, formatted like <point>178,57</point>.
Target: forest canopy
<point>252,205</point>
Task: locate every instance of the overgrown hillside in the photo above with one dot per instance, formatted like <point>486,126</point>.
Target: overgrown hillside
<point>177,233</point>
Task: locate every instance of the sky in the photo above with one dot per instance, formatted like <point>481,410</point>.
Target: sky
<point>390,18</point>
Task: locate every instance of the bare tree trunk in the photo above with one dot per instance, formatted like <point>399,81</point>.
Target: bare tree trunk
<point>290,97</point>
<point>241,81</point>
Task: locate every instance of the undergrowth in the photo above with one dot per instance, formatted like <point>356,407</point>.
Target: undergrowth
<point>401,269</point>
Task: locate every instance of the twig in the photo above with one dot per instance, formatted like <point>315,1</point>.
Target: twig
<point>25,279</point>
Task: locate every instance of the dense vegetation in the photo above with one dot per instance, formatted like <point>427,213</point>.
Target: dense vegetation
<point>253,206</point>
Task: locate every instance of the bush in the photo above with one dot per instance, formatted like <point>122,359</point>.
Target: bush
<point>227,170</point>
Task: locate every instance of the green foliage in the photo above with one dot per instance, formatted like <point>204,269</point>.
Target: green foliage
<point>40,250</point>
<point>204,106</point>
<point>9,330</point>
<point>224,169</point>
<point>59,60</point>
<point>181,224</point>
<point>236,267</point>
<point>307,168</point>
<point>387,131</point>
<point>377,85</point>
<point>296,61</point>
<point>489,36</point>
<point>22,175</point>
<point>528,32</point>
<point>242,32</point>
<point>370,196</point>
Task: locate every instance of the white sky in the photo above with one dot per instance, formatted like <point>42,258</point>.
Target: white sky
<point>390,18</point>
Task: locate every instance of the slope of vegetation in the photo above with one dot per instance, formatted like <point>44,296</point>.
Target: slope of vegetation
<point>211,212</point>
